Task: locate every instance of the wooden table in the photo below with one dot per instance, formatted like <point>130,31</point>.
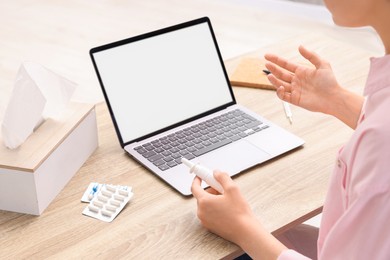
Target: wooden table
<point>160,223</point>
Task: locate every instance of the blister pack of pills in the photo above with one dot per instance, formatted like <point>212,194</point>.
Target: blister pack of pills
<point>105,201</point>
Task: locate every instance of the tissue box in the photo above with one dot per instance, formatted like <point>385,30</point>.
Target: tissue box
<point>32,175</point>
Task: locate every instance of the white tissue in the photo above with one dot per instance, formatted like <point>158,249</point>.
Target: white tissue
<point>38,94</point>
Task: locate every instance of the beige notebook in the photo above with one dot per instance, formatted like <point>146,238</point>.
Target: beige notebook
<point>249,73</point>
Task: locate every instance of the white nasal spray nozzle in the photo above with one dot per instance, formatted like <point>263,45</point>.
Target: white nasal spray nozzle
<point>203,173</point>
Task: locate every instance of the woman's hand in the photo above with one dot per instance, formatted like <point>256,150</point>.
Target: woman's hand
<point>229,216</point>
<point>308,87</point>
<point>313,88</point>
<point>223,214</point>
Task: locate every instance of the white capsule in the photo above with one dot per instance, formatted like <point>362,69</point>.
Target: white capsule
<point>119,197</point>
<point>106,213</point>
<point>115,203</point>
<point>111,188</point>
<point>97,204</point>
<point>102,198</point>
<point>123,193</point>
<point>107,193</point>
<point>110,208</point>
<point>93,208</point>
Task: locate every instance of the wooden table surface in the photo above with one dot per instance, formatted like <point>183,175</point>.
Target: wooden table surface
<point>160,223</point>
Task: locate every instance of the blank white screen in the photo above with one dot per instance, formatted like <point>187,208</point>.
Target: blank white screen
<point>159,81</point>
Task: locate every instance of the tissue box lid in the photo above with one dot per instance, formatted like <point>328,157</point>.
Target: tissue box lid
<point>40,144</point>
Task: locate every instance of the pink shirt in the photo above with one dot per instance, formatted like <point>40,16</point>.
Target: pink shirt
<point>356,215</point>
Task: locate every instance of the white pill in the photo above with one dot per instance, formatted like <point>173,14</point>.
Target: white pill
<point>97,204</point>
<point>111,208</point>
<point>107,193</point>
<point>106,213</point>
<point>93,208</point>
<point>119,197</point>
<point>111,188</point>
<point>115,203</point>
<point>123,192</point>
<point>102,198</point>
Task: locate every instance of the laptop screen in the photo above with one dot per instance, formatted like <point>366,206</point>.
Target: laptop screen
<point>158,80</point>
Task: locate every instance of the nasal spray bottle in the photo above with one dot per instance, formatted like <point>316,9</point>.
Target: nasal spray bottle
<point>203,173</point>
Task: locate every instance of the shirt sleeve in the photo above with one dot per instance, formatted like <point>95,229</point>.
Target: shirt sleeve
<point>363,111</point>
<point>289,254</point>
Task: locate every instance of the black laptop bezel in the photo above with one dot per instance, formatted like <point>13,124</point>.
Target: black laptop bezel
<point>149,35</point>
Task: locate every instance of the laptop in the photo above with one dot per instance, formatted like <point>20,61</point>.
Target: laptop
<point>169,97</point>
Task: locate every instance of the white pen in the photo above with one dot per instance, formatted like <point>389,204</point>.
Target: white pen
<point>287,110</point>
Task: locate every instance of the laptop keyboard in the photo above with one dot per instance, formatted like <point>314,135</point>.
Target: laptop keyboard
<point>166,152</point>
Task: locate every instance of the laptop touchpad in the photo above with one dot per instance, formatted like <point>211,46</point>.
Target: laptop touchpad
<point>275,142</point>
<point>234,157</point>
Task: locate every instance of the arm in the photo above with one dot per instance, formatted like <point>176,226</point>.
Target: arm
<point>229,216</point>
<point>313,88</point>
